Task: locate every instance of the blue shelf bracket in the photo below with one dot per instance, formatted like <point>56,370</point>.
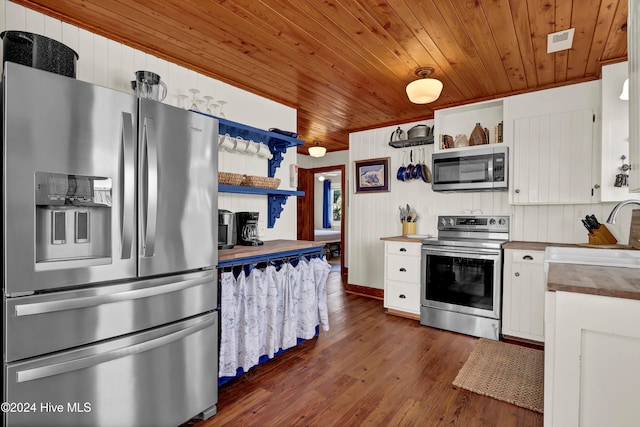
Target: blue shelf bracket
<point>277,149</point>
<point>275,206</point>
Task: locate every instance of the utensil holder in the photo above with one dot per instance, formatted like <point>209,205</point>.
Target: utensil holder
<point>602,236</point>
<point>408,228</point>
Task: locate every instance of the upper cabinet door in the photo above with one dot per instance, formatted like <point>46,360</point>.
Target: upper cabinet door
<point>69,182</point>
<point>615,132</point>
<point>554,135</point>
<point>633,37</point>
<point>177,192</point>
<point>552,158</point>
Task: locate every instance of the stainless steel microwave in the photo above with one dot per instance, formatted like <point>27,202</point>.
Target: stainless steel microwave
<point>477,169</point>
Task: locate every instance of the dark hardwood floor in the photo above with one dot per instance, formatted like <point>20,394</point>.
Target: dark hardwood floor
<point>370,369</point>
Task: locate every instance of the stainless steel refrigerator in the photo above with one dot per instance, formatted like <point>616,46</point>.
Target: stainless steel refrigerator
<point>109,247</point>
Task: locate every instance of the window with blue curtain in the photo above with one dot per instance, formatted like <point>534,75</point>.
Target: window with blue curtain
<point>326,204</point>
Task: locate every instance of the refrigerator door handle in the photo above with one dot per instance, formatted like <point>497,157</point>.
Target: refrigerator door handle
<point>150,148</point>
<point>97,359</point>
<point>92,301</point>
<point>128,182</point>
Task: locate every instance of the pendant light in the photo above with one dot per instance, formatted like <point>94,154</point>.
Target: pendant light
<point>624,95</point>
<point>317,150</point>
<point>424,90</point>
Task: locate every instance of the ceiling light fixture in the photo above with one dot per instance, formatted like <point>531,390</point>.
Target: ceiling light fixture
<point>317,150</point>
<point>624,95</point>
<point>424,90</point>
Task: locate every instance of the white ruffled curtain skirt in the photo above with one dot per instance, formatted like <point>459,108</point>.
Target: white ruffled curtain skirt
<point>269,309</point>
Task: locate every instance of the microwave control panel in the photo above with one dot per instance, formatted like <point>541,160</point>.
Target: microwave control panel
<point>498,167</point>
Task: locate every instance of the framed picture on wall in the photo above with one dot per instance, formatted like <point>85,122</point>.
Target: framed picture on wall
<point>372,176</point>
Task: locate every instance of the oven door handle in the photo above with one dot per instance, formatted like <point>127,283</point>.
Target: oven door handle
<point>478,253</point>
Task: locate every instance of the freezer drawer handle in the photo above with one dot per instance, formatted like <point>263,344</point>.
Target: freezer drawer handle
<point>88,362</point>
<point>151,191</point>
<point>85,302</point>
<point>127,184</point>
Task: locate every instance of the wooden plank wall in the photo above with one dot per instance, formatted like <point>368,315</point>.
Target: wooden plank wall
<point>371,216</point>
<point>108,63</point>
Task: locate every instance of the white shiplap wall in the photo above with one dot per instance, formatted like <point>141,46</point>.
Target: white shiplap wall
<point>111,64</point>
<point>372,216</point>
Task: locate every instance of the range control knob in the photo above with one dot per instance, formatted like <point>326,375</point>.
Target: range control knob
<point>452,222</point>
<point>492,221</point>
<point>443,221</point>
<point>502,221</point>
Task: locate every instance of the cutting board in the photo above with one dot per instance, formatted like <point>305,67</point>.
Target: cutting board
<point>634,232</point>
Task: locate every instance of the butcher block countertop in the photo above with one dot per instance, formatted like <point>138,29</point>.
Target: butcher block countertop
<point>617,282</point>
<point>270,247</point>
<point>533,246</point>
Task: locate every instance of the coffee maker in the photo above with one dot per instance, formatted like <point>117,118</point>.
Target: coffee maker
<point>247,226</point>
<point>227,232</point>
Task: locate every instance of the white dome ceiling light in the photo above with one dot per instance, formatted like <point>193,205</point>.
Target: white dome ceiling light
<point>424,90</point>
<point>317,150</point>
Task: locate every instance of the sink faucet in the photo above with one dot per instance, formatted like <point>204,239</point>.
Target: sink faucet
<point>614,212</point>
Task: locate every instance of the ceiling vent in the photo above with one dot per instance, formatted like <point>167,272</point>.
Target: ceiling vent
<point>562,40</point>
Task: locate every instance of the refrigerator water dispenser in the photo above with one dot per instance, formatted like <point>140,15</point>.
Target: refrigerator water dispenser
<point>73,217</point>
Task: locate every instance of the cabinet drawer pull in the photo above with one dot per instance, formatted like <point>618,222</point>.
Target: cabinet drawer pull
<point>527,257</point>
<point>403,296</point>
<point>403,249</point>
<point>517,274</point>
<point>403,269</point>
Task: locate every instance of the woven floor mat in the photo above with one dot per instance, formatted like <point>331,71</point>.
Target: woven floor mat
<point>506,372</point>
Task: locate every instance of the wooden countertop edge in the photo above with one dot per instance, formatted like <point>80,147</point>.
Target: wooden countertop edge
<point>541,246</point>
<point>402,239</point>
<point>616,282</point>
<point>534,246</point>
<point>269,247</point>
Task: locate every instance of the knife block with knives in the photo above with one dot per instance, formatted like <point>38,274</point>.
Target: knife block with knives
<point>602,236</point>
<point>599,234</point>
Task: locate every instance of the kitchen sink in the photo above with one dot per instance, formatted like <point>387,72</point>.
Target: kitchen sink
<point>593,256</point>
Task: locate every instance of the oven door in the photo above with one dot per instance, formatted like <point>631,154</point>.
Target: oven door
<point>462,280</point>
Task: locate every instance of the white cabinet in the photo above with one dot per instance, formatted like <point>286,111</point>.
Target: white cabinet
<point>554,138</point>
<point>615,131</point>
<point>591,376</point>
<point>461,120</point>
<point>402,277</point>
<point>523,294</point>
<point>633,37</point>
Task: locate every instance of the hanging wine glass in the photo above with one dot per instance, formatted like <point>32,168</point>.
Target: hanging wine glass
<point>208,100</point>
<point>182,101</point>
<point>221,103</point>
<point>194,102</point>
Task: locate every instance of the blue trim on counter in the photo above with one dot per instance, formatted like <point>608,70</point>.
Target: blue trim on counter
<point>270,256</point>
<point>241,189</point>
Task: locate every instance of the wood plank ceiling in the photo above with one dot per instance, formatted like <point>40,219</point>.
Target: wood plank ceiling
<point>344,64</point>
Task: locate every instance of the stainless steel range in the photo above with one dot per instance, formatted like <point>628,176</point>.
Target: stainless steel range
<point>461,275</point>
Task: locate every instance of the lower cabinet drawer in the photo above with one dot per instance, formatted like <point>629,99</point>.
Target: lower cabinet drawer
<point>402,296</point>
<point>403,268</point>
<point>403,248</point>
